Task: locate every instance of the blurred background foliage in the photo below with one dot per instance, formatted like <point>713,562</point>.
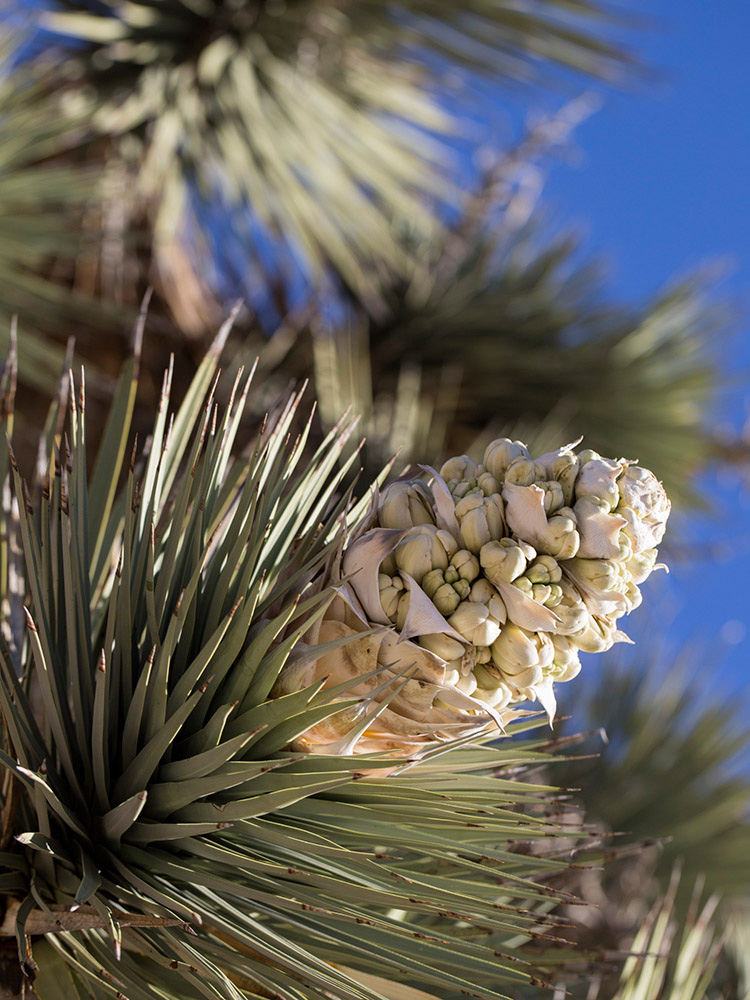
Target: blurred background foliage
<point>306,156</point>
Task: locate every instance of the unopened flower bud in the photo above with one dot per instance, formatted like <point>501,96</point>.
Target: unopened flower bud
<point>458,469</point>
<point>475,623</point>
<point>544,569</point>
<point>423,548</point>
<point>522,656</point>
<point>598,477</point>
<point>500,453</point>
<point>641,566</point>
<point>554,498</point>
<point>502,560</point>
<point>523,472</point>
<point>391,591</point>
<point>565,469</point>
<point>443,646</point>
<point>487,484</point>
<point>480,519</point>
<point>482,592</point>
<point>466,565</point>
<point>566,665</point>
<point>406,504</point>
<point>645,506</point>
<point>561,538</point>
<point>446,599</point>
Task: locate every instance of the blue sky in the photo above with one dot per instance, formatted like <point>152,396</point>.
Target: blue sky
<point>662,184</point>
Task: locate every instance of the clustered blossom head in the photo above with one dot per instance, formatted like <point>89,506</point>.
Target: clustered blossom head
<point>507,570</point>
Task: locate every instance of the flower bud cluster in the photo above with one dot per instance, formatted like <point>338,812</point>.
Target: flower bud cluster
<point>524,562</point>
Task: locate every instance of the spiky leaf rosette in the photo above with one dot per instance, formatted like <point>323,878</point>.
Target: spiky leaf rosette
<point>157,831</point>
<point>291,107</point>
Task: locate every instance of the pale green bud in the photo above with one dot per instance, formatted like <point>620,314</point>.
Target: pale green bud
<point>500,453</point>
<point>423,548</point>
<point>480,520</point>
<point>406,504</point>
<point>458,469</point>
<point>444,646</point>
<point>475,623</point>
<point>555,595</point>
<point>446,599</point>
<point>466,565</point>
<point>502,560</point>
<point>544,569</point>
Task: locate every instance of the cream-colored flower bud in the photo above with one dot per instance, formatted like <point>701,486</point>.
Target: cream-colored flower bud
<point>443,646</point>
<point>598,574</point>
<point>571,609</point>
<point>645,506</point>
<point>423,548</point>
<point>391,591</point>
<point>467,684</point>
<point>642,565</point>
<point>491,689</point>
<point>466,565</point>
<point>502,560</point>
<point>500,453</point>
<point>555,595</point>
<point>523,584</point>
<point>433,581</point>
<point>565,470</point>
<point>480,520</point>
<point>482,592</point>
<point>598,478</point>
<point>484,654</point>
<point>566,664</point>
<point>541,593</point>
<point>599,635</point>
<point>446,599</point>
<point>388,566</point>
<point>487,484</point>
<point>475,623</point>
<point>524,472</point>
<point>554,498</point>
<point>458,469</point>
<point>561,539</point>
<point>406,504</point>
<point>402,610</point>
<point>522,656</point>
